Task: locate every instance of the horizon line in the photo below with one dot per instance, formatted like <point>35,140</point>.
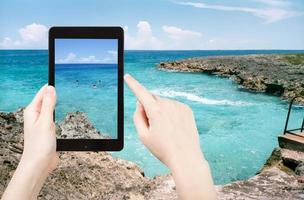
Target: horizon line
<point>173,49</point>
<point>85,63</point>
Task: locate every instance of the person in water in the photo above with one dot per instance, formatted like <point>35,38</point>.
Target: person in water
<point>166,127</point>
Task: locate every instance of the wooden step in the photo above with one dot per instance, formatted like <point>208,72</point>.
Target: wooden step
<point>298,133</point>
<point>292,142</point>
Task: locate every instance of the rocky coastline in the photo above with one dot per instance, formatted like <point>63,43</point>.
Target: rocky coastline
<point>278,74</point>
<point>99,175</point>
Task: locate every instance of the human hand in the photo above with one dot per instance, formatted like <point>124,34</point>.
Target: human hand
<point>39,156</point>
<point>166,127</point>
<point>39,129</point>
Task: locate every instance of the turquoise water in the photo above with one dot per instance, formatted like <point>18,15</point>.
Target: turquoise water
<point>97,86</point>
<point>238,129</point>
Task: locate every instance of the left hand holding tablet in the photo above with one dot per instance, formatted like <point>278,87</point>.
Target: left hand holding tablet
<point>39,156</point>
<point>39,129</point>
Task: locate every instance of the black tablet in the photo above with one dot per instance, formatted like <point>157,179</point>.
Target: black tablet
<point>86,68</point>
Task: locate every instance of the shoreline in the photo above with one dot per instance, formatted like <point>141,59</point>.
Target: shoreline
<point>78,173</point>
<point>277,74</point>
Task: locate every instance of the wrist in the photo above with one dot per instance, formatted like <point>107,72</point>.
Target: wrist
<point>34,167</point>
<point>187,162</point>
<point>28,178</point>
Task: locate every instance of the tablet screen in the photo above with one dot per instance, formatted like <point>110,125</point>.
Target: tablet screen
<point>86,78</point>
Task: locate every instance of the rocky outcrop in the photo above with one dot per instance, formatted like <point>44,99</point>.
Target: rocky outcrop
<point>276,180</point>
<point>77,125</point>
<point>91,175</point>
<point>276,74</point>
<point>80,175</point>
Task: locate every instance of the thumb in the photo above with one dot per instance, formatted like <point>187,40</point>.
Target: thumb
<point>48,105</point>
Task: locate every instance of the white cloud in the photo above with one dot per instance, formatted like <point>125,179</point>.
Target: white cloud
<point>89,59</point>
<point>182,38</point>
<point>31,36</point>
<point>73,58</point>
<point>70,58</point>
<point>271,14</point>
<point>113,53</point>
<point>178,33</point>
<point>144,38</point>
<point>178,38</point>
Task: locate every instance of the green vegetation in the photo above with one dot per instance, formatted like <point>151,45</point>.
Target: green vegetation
<point>295,59</point>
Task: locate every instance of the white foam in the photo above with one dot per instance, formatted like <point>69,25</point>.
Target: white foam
<point>197,98</point>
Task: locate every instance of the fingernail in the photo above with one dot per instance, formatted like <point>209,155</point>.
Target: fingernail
<point>50,90</point>
<point>127,75</point>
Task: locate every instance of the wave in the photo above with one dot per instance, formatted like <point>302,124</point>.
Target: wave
<point>197,98</point>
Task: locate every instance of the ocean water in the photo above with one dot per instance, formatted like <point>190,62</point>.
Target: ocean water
<point>80,85</point>
<point>238,129</point>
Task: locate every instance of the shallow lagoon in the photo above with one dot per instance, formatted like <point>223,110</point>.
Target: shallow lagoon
<point>238,129</point>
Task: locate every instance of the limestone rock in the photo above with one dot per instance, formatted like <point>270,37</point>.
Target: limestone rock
<point>300,169</point>
<point>270,73</point>
<point>92,175</point>
<point>271,184</point>
<point>77,125</point>
<point>292,158</point>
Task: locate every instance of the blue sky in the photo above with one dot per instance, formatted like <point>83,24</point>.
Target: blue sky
<point>86,51</point>
<point>161,24</point>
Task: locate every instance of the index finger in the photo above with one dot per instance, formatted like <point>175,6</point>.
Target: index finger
<point>142,94</point>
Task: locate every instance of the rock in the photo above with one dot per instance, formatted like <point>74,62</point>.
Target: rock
<point>300,169</point>
<point>271,73</point>
<point>300,179</point>
<point>77,125</point>
<point>80,175</point>
<point>91,175</point>
<point>275,157</point>
<point>292,158</point>
<point>271,184</point>
<point>164,188</point>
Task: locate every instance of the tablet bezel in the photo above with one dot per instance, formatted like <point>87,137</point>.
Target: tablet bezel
<point>91,33</point>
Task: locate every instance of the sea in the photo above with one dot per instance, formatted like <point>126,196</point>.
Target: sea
<point>81,85</point>
<point>238,129</point>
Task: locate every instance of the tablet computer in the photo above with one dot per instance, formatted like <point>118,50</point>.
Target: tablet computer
<point>86,68</point>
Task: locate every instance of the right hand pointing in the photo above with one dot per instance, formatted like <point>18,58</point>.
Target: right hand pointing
<point>166,127</point>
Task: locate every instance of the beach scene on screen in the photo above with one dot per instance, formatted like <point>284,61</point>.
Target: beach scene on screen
<point>86,84</point>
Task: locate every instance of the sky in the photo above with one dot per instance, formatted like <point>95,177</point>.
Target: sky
<point>86,51</point>
<point>161,24</point>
